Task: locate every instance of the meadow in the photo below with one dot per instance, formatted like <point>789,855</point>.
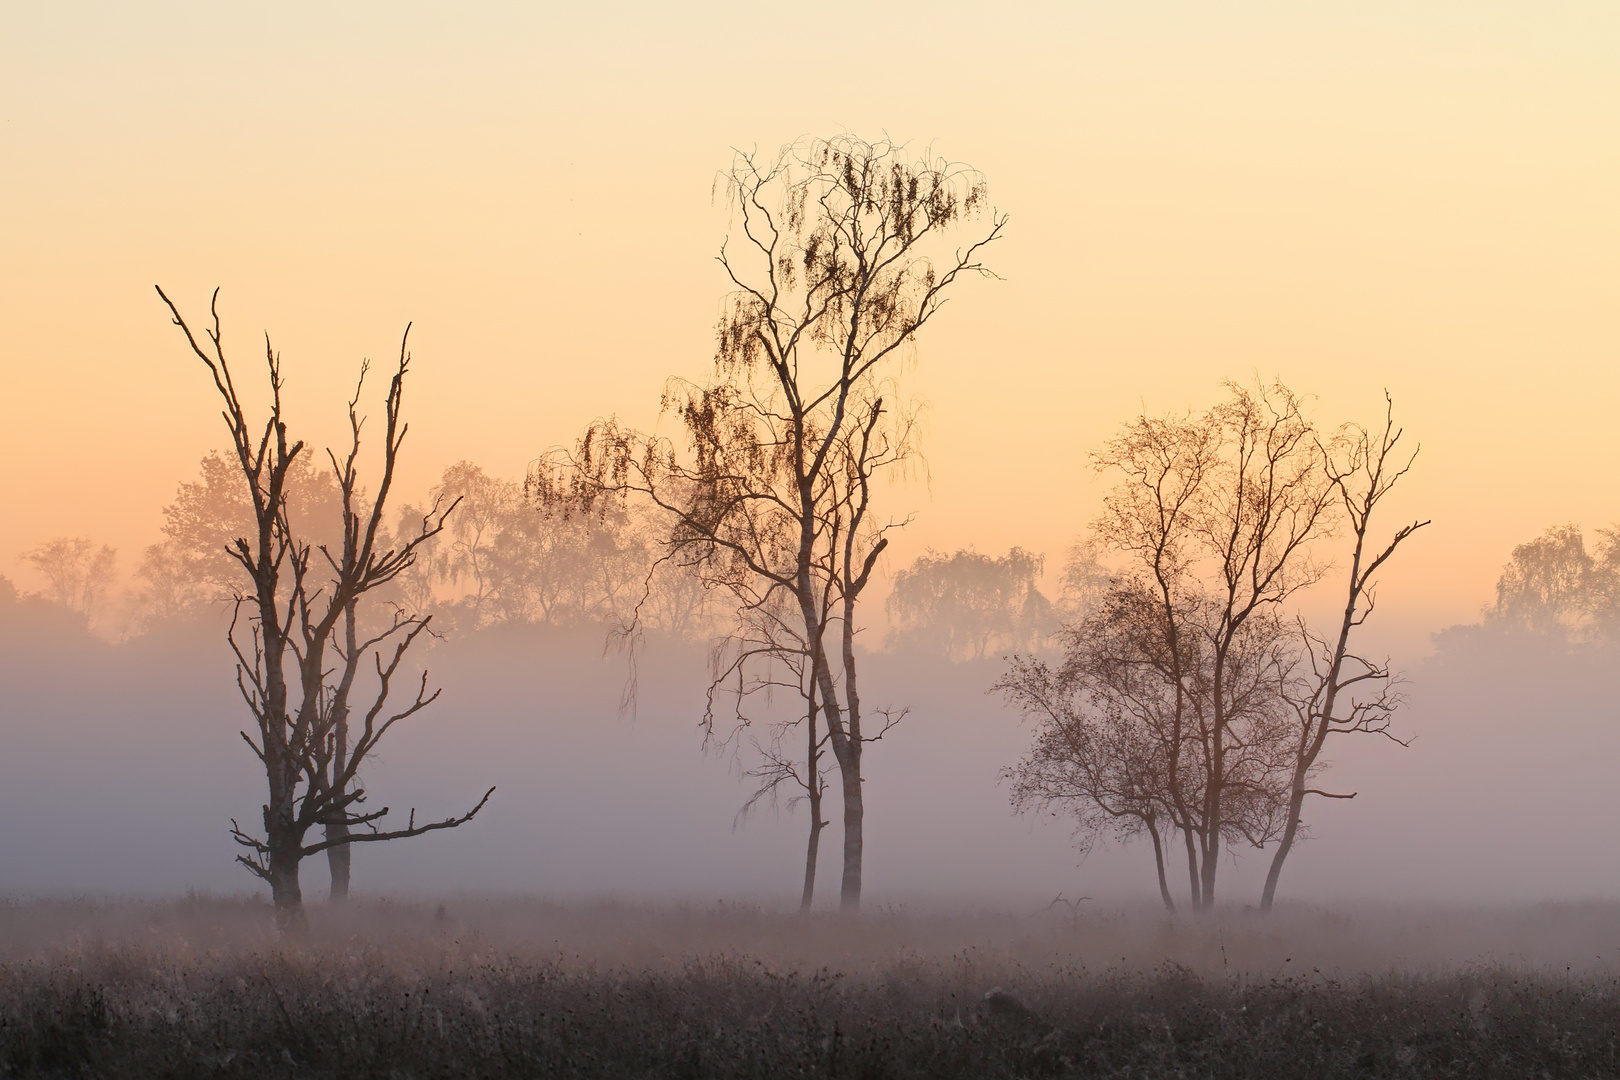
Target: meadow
<point>516,987</point>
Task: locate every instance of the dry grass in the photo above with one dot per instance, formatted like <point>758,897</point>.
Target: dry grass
<point>492,988</point>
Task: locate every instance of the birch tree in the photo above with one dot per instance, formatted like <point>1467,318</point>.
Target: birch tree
<point>840,254</point>
<point>1172,708</point>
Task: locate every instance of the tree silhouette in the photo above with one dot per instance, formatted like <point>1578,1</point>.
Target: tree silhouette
<point>506,557</point>
<point>1553,587</point>
<point>1123,741</point>
<point>300,623</point>
<point>78,572</point>
<point>1171,710</point>
<point>1347,693</point>
<point>965,604</point>
<point>837,260</point>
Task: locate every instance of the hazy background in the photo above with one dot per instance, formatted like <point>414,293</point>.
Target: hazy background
<point>123,766</point>
<point>1419,198</point>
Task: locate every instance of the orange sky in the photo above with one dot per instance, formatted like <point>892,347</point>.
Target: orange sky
<point>1424,197</point>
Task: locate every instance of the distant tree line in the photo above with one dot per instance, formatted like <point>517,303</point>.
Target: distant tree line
<point>502,559</point>
<point>1554,588</point>
<point>967,606</point>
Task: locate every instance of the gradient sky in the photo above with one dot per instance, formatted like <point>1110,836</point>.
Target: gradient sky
<point>1419,196</point>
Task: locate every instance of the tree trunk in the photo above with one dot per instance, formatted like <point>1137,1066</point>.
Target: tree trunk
<point>284,891</point>
<point>849,770</point>
<point>339,856</point>
<point>1158,863</point>
<point>285,840</point>
<point>1212,861</point>
<point>814,791</point>
<point>849,895</point>
<point>810,853</point>
<point>338,861</point>
<point>1296,803</point>
<point>1196,893</point>
<point>1213,810</point>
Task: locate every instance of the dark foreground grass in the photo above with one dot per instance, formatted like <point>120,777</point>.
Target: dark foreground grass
<point>205,990</point>
<point>286,1015</point>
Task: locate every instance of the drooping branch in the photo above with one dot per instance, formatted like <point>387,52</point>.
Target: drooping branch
<point>413,829</point>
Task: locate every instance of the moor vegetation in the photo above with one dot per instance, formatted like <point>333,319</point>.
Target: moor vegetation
<point>186,991</point>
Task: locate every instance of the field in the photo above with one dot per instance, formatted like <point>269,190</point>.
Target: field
<point>490,987</point>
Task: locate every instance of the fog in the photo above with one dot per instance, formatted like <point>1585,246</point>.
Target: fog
<point>570,209</point>
<point>124,768</point>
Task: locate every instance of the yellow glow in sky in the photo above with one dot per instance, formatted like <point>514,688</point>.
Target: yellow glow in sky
<point>1419,196</point>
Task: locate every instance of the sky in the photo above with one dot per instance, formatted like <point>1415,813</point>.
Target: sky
<point>1418,197</point>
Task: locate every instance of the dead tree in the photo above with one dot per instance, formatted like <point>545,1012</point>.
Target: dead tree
<point>838,261</point>
<point>310,734</point>
<point>1347,693</point>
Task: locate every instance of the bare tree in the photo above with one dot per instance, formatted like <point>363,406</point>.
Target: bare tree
<point>1102,758</point>
<point>1347,693</point>
<point>79,572</point>
<point>310,735</point>
<point>1265,504</point>
<point>1181,676</point>
<point>1122,743</point>
<point>838,262</point>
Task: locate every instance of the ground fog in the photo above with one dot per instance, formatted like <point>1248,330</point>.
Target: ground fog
<point>510,986</point>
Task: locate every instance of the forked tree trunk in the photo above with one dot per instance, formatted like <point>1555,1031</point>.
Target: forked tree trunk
<point>845,731</point>
<point>284,890</point>
<point>289,631</point>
